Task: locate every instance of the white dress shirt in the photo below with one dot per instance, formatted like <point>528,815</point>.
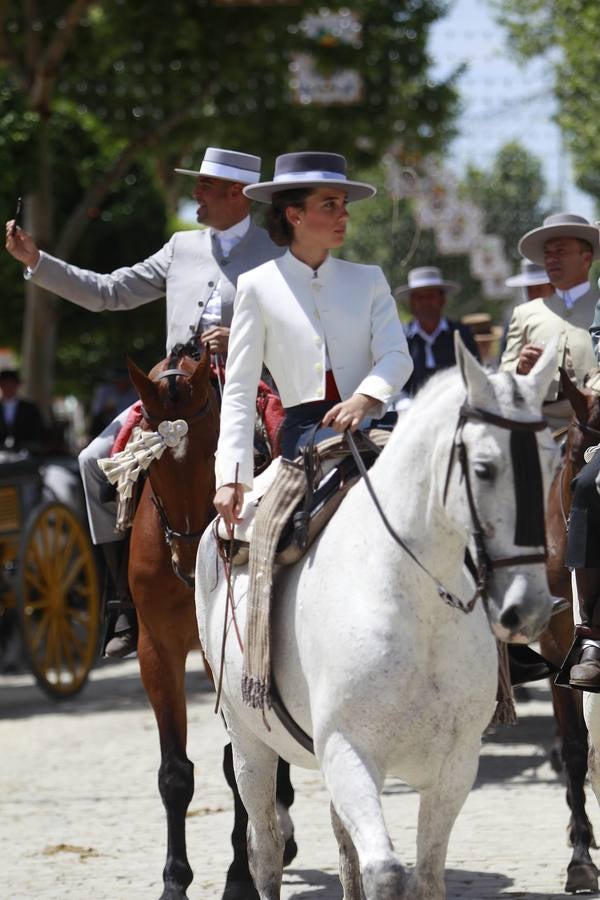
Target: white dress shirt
<point>211,315</point>
<point>429,339</point>
<point>573,294</point>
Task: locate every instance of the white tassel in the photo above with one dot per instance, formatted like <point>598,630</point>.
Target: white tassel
<point>143,447</point>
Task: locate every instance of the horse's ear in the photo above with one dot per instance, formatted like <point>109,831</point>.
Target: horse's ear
<point>146,388</point>
<point>474,377</point>
<point>544,370</point>
<point>200,372</point>
<point>575,397</point>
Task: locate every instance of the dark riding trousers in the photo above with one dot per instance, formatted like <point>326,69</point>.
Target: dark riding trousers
<point>584,522</point>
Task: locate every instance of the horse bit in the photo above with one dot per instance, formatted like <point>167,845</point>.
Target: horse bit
<point>482,568</point>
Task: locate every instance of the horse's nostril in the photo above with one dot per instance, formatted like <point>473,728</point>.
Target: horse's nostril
<point>510,619</point>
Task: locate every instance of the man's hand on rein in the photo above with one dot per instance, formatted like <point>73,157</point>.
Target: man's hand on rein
<point>216,338</point>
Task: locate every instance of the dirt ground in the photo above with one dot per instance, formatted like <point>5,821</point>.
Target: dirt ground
<point>80,814</point>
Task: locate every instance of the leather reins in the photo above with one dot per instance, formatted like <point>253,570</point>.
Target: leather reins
<point>170,534</point>
<point>484,565</point>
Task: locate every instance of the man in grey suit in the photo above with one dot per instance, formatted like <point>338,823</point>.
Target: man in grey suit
<point>565,245</point>
<point>197,271</point>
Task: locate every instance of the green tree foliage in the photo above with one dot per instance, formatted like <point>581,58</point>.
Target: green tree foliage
<point>510,195</point>
<point>99,101</point>
<point>566,33</point>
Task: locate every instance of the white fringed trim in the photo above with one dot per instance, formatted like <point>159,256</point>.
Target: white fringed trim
<point>124,468</point>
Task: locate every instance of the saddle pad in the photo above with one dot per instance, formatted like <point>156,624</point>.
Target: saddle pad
<point>278,503</point>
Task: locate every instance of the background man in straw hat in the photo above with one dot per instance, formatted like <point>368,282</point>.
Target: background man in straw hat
<point>430,335</point>
<point>197,271</point>
<point>565,245</point>
<point>533,280</point>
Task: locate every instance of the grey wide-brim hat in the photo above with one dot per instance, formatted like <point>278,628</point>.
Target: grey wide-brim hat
<point>309,170</point>
<point>228,165</point>
<point>559,225</point>
<point>426,276</point>
<point>531,275</point>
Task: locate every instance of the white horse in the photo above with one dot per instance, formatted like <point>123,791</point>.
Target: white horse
<point>368,658</point>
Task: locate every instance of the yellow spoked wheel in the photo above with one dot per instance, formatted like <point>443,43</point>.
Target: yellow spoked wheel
<point>58,599</point>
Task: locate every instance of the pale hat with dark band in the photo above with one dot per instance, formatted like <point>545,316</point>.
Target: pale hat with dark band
<point>560,225</point>
<point>309,170</point>
<point>425,277</point>
<point>531,275</point>
<point>229,165</point>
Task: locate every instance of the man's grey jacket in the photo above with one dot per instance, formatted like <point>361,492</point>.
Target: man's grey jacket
<point>185,270</point>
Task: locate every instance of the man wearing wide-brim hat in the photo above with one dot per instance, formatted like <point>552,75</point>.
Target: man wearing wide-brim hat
<point>430,335</point>
<point>565,245</point>
<point>532,279</point>
<point>196,271</point>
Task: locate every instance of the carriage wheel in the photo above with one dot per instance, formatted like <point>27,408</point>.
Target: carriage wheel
<point>58,599</point>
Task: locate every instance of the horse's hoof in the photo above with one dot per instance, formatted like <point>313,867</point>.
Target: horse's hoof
<point>289,851</point>
<point>173,893</point>
<point>240,890</point>
<point>581,877</point>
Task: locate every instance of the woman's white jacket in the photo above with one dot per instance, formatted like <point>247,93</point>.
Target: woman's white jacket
<point>288,317</point>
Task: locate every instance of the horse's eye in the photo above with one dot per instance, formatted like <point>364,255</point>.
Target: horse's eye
<point>485,471</point>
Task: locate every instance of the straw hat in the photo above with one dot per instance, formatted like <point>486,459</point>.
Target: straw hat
<point>426,276</point>
<point>531,275</point>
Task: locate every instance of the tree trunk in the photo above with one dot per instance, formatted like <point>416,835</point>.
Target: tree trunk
<point>41,308</point>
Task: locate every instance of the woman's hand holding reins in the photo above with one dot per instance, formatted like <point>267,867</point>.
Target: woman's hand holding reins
<point>349,413</point>
<point>228,504</point>
<point>21,245</point>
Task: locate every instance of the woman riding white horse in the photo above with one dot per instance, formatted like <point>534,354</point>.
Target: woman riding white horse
<point>327,330</point>
<point>370,661</point>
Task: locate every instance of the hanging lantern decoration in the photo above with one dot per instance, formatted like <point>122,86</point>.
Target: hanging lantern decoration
<point>312,86</point>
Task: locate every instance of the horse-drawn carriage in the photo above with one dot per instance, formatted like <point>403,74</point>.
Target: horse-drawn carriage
<point>48,577</point>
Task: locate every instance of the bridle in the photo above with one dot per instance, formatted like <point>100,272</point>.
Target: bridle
<point>483,566</point>
<point>171,535</point>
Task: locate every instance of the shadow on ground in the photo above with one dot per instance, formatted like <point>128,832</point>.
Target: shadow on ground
<point>112,687</point>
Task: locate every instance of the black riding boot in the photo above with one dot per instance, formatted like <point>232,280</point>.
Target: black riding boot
<point>586,674</point>
<point>125,632</point>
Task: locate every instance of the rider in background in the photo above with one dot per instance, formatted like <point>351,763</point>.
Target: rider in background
<point>326,329</point>
<point>197,272</point>
<point>430,335</point>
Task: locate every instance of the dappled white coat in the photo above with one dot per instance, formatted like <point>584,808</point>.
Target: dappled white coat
<point>369,660</point>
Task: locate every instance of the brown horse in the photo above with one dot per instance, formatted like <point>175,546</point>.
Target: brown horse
<point>555,642</point>
<point>175,507</point>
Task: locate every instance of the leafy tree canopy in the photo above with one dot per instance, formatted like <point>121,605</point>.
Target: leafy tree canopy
<point>566,33</point>
<point>99,102</point>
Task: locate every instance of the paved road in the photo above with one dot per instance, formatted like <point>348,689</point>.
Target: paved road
<point>80,815</point>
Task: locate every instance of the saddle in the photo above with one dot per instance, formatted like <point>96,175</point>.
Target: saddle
<point>321,478</point>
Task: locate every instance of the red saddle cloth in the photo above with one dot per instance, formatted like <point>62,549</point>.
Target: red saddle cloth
<point>268,407</point>
<point>134,418</point>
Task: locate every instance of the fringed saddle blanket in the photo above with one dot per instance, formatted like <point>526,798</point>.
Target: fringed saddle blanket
<point>284,496</point>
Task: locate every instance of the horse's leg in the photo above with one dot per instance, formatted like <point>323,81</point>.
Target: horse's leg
<point>440,803</point>
<point>255,767</point>
<point>355,794</point>
<point>582,874</point>
<point>284,793</point>
<point>164,680</point>
<point>349,866</point>
<point>239,884</point>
